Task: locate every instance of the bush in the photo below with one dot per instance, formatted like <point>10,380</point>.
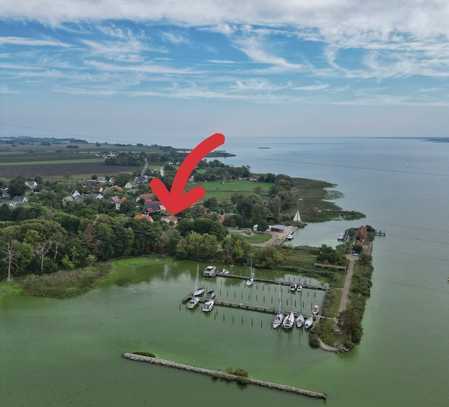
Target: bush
<point>147,354</point>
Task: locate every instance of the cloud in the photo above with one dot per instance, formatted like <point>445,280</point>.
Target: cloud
<point>311,88</point>
<point>332,17</point>
<point>32,42</point>
<point>144,68</point>
<point>253,48</point>
<point>174,38</point>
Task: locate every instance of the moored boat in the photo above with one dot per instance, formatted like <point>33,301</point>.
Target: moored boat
<point>193,302</point>
<point>315,310</point>
<point>300,321</point>
<point>210,271</point>
<point>208,306</point>
<point>199,292</point>
<point>308,323</point>
<point>288,321</point>
<point>277,320</point>
<point>293,287</point>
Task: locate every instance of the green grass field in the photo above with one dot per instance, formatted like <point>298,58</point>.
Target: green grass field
<point>224,190</point>
<point>54,162</point>
<point>256,238</point>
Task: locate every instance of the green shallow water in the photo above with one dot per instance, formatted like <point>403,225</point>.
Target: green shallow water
<point>62,344</point>
<point>66,353</point>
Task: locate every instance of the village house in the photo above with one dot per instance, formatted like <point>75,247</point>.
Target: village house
<point>151,207</point>
<point>142,216</point>
<point>4,194</point>
<point>31,185</point>
<point>17,201</point>
<point>170,219</point>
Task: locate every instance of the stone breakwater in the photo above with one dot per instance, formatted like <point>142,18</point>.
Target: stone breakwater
<point>218,374</point>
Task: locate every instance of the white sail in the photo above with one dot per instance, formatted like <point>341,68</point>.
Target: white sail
<point>297,217</point>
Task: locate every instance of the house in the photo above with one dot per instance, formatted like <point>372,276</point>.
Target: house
<point>31,185</point>
<point>145,197</point>
<point>277,228</point>
<point>4,194</point>
<point>18,200</point>
<point>171,219</point>
<point>117,201</point>
<point>76,195</point>
<point>141,216</point>
<point>99,197</point>
<point>128,185</point>
<point>152,207</point>
<point>141,179</point>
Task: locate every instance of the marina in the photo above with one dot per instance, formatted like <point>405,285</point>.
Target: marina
<point>292,313</point>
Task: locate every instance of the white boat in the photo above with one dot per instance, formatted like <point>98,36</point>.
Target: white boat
<point>199,292</point>
<point>250,281</point>
<point>308,323</point>
<point>224,272</point>
<point>300,321</point>
<point>208,306</point>
<point>288,321</point>
<point>210,271</point>
<point>277,320</point>
<point>290,236</point>
<point>297,217</point>
<point>315,310</point>
<point>193,302</point>
<point>299,288</point>
<point>341,237</point>
<point>293,287</point>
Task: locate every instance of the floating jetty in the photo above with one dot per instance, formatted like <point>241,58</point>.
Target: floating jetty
<point>218,374</point>
<point>273,282</point>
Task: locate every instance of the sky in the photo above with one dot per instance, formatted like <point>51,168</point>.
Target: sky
<point>153,71</point>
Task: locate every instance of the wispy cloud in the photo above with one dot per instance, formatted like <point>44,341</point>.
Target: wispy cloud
<point>31,42</point>
<point>175,38</point>
<point>144,68</point>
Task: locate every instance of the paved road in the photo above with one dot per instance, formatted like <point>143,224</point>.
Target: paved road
<point>347,286</point>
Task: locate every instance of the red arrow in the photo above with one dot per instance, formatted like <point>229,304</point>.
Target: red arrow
<point>176,200</point>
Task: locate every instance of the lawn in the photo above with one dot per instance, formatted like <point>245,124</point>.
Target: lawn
<point>255,238</point>
<point>224,190</point>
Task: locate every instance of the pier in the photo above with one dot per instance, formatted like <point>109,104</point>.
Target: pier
<point>218,374</point>
<point>273,282</point>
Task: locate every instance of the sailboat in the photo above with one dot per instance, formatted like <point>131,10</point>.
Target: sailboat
<point>198,292</point>
<point>300,321</point>
<point>289,321</point>
<point>279,317</point>
<point>297,217</point>
<point>250,281</point>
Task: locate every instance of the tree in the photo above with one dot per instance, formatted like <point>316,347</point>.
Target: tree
<point>268,257</point>
<point>17,186</point>
<point>196,246</point>
<point>235,250</point>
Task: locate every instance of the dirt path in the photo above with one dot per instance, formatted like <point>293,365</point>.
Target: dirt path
<point>347,285</point>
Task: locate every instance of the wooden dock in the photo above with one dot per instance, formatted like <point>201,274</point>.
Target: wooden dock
<point>218,374</point>
<point>273,282</point>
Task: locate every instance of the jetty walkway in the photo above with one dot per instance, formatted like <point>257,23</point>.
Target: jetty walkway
<point>225,376</point>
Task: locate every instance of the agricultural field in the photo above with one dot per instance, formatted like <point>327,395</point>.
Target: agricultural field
<point>60,169</point>
<point>223,190</point>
